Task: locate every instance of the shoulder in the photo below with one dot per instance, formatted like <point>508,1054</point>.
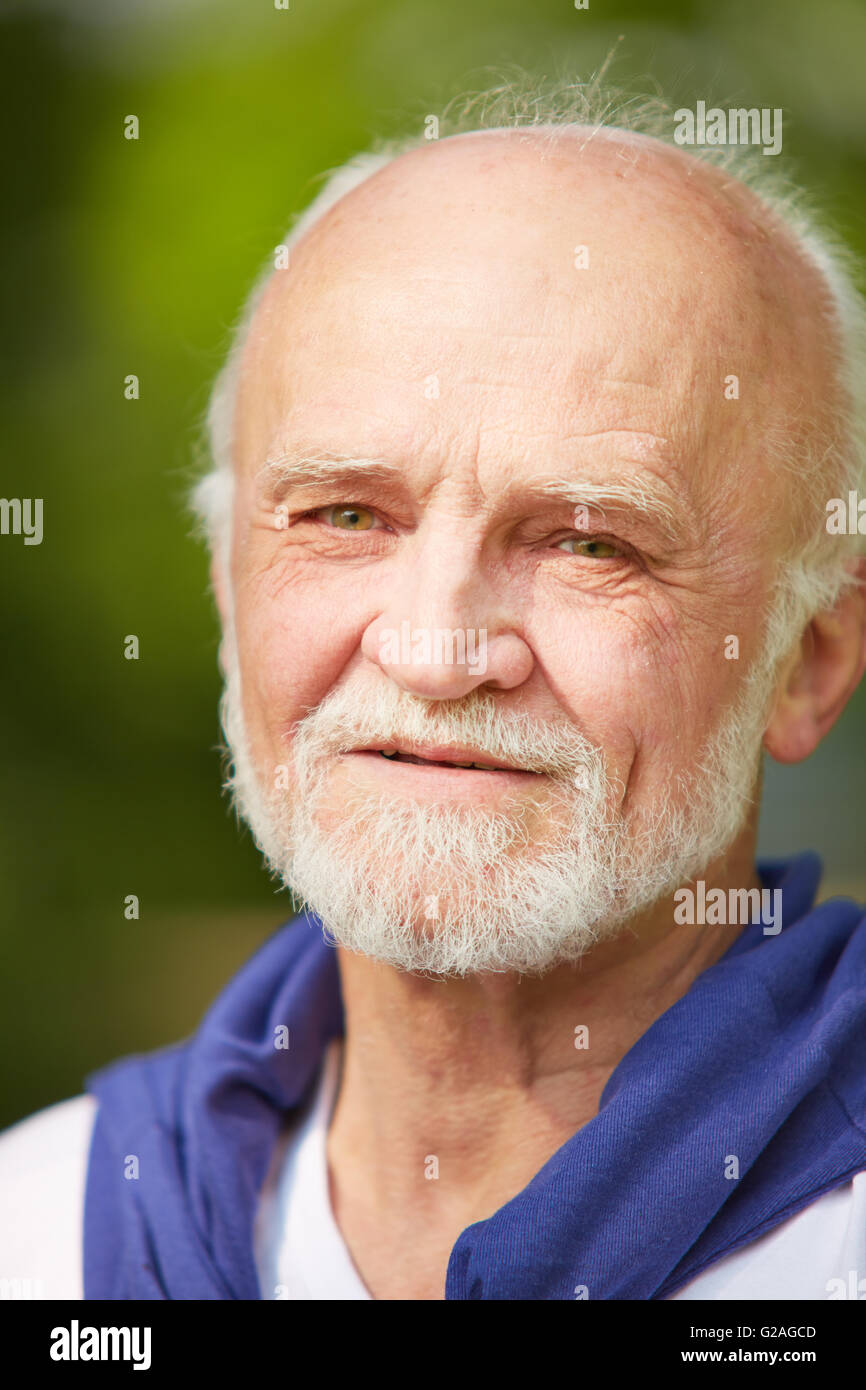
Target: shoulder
<point>820,1253</point>
<point>43,1173</point>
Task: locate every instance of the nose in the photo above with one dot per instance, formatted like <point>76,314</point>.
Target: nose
<point>446,628</point>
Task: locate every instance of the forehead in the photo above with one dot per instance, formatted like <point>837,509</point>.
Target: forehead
<point>509,303</point>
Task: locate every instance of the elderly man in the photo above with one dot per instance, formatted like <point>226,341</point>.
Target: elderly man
<point>523,458</point>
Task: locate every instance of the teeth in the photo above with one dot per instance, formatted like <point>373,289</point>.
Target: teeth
<point>480,767</point>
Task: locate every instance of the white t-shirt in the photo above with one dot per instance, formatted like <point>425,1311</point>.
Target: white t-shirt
<point>300,1253</point>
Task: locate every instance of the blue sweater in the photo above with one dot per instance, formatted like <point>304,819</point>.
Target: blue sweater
<point>762,1060</point>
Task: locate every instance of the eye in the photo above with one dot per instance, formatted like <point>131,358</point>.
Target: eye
<point>348,517</point>
<point>592,548</point>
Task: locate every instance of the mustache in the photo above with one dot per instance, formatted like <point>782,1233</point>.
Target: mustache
<point>349,718</point>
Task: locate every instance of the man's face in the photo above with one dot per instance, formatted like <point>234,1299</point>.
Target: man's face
<point>443,321</point>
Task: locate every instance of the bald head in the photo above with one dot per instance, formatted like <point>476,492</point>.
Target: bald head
<point>598,279</point>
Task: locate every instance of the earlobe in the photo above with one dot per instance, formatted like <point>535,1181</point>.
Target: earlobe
<point>818,679</point>
<point>790,735</point>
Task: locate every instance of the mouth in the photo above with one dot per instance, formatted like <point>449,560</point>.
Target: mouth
<point>452,759</point>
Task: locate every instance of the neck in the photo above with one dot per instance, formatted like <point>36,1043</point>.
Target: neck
<point>454,1093</point>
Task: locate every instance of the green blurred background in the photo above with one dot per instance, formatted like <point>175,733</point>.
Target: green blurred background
<point>133,257</point>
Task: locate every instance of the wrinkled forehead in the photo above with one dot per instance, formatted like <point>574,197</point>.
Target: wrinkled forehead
<point>602,285</point>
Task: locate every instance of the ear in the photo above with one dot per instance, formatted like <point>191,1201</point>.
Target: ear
<point>820,676</point>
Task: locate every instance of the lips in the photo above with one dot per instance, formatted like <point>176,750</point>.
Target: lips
<point>439,762</point>
<point>449,757</point>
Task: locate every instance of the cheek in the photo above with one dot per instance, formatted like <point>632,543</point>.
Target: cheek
<point>649,702</point>
<point>292,650</point>
<point>602,675</point>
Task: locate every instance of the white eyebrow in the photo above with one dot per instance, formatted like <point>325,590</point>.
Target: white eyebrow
<point>301,469</point>
<point>649,499</point>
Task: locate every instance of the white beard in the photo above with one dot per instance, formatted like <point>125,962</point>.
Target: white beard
<point>453,890</point>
